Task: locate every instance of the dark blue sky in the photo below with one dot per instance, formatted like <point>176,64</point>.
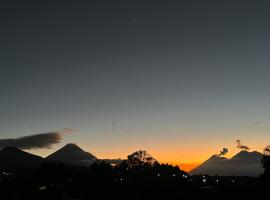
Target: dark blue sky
<point>169,76</point>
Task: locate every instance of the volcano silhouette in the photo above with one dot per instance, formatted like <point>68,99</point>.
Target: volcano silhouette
<point>71,153</point>
<point>243,163</point>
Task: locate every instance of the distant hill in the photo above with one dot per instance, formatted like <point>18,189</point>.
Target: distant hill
<point>12,158</point>
<point>242,164</point>
<point>71,153</point>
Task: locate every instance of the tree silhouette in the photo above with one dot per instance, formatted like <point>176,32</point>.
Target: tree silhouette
<point>140,159</point>
<point>266,150</point>
<point>266,162</point>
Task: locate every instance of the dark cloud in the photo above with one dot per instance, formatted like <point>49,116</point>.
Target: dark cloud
<point>223,152</point>
<point>240,146</point>
<point>38,141</point>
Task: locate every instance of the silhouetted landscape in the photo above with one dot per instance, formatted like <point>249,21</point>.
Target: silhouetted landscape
<point>134,99</point>
<point>61,176</point>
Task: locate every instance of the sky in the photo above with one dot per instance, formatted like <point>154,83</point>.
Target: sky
<point>180,79</point>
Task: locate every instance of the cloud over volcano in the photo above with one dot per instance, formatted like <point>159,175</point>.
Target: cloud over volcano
<point>37,141</point>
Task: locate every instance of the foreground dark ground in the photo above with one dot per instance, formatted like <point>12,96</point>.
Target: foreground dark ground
<point>101,181</point>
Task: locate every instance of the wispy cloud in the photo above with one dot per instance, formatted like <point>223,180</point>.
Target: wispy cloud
<point>259,122</point>
<point>37,141</point>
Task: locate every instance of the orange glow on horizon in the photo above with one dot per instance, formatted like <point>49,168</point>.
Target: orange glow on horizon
<point>185,155</point>
<point>185,166</point>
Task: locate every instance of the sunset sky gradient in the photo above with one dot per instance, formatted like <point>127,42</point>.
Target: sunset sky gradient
<point>180,79</point>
